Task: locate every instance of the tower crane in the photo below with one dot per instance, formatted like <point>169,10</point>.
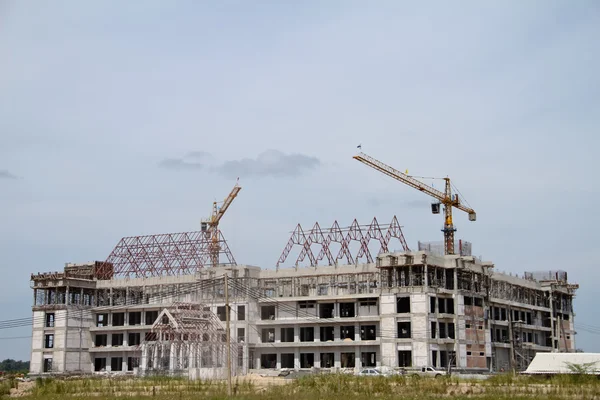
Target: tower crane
<point>210,226</point>
<point>446,198</point>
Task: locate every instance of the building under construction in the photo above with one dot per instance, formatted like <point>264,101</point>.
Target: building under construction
<point>149,309</point>
<point>161,304</point>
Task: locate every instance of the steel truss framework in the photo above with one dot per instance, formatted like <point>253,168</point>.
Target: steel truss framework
<point>163,255</point>
<point>344,236</point>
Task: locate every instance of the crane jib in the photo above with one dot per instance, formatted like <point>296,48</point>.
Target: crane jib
<point>446,198</point>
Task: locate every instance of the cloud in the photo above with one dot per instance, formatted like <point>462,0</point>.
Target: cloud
<point>192,160</point>
<point>5,174</point>
<point>269,163</point>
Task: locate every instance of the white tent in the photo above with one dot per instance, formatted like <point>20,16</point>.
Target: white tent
<point>558,363</point>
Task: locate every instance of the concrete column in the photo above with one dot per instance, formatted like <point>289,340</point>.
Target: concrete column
<point>172,355</point>
<point>179,355</point>
<point>190,355</point>
<point>277,335</point>
<point>357,363</point>
<point>216,352</point>
<point>296,358</point>
<point>155,358</point>
<point>144,360</point>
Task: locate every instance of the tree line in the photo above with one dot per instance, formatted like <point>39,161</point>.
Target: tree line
<point>10,365</point>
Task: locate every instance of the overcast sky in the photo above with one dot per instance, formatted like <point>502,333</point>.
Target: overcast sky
<point>129,118</point>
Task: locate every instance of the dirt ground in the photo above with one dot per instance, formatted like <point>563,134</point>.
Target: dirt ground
<point>23,389</point>
<point>265,381</point>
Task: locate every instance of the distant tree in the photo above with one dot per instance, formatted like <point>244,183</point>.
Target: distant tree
<point>10,365</point>
<point>581,369</point>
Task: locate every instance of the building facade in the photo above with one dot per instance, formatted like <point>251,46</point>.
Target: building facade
<point>408,309</point>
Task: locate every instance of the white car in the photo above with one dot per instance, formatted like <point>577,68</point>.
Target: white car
<point>369,372</point>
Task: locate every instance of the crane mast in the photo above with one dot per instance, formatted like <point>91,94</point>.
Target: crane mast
<point>446,198</point>
<point>210,226</point>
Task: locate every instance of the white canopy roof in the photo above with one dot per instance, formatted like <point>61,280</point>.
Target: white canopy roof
<point>558,363</point>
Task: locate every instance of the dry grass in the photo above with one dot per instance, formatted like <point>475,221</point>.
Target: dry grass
<point>345,387</point>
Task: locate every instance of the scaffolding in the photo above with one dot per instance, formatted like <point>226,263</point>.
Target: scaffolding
<point>545,276</point>
<point>462,248</point>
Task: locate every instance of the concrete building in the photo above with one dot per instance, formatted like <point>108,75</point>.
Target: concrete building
<point>405,309</point>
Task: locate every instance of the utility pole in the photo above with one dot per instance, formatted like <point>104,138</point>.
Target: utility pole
<point>227,335</point>
<point>80,333</point>
<point>511,338</point>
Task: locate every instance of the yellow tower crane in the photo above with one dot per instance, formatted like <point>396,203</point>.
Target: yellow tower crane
<point>446,198</point>
<point>211,225</point>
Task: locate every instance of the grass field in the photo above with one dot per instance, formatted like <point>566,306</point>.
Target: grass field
<point>315,387</point>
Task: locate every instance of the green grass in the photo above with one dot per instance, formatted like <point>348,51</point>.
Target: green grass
<point>324,387</point>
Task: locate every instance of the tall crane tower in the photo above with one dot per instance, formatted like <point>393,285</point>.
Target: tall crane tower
<point>211,225</point>
<point>446,198</point>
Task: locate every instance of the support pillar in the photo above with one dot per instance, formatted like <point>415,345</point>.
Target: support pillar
<point>190,355</point>
<point>172,355</point>
<point>155,358</point>
<point>144,360</point>
<point>296,358</point>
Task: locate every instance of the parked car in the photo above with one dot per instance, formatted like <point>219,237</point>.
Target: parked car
<point>369,372</point>
<point>426,371</point>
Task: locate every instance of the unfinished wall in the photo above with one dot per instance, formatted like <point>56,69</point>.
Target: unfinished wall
<point>387,306</point>
<point>419,322</point>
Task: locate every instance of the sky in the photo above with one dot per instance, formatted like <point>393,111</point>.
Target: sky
<point>131,118</point>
